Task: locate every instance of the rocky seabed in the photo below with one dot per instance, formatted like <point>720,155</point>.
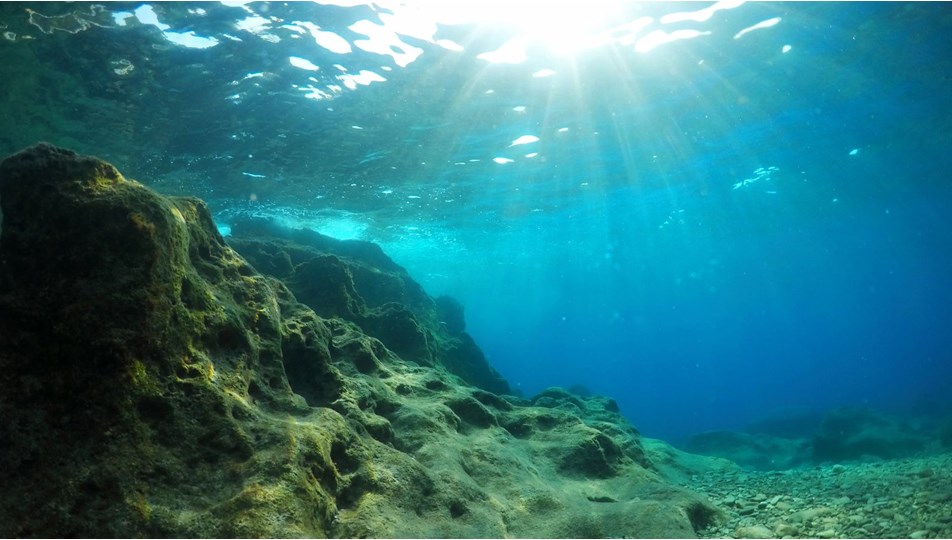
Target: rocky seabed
<point>905,498</point>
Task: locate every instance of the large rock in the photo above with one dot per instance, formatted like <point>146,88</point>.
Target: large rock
<point>679,466</point>
<point>756,451</point>
<point>852,433</point>
<point>794,424</point>
<point>153,383</point>
<point>356,281</point>
<point>841,434</point>
<point>143,392</point>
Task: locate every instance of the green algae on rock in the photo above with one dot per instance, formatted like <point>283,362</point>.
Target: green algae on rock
<point>154,383</point>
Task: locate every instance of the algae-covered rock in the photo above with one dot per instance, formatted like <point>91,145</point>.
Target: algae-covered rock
<point>143,392</point>
<point>679,466</point>
<point>153,383</point>
<point>355,280</point>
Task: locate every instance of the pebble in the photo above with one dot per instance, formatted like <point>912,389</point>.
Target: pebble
<point>785,529</point>
<point>756,531</point>
<point>809,514</point>
<point>885,499</point>
<point>943,496</point>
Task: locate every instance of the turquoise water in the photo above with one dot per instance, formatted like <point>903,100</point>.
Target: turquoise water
<point>711,212</point>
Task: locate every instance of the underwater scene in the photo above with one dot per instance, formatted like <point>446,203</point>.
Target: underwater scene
<point>491,269</point>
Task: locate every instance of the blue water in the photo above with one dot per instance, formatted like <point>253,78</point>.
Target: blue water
<point>711,230</point>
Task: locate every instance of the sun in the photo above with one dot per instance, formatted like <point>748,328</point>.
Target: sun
<point>563,27</point>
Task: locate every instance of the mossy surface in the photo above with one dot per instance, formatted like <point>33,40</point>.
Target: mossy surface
<point>153,383</point>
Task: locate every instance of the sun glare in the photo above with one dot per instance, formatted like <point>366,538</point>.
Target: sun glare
<point>564,27</point>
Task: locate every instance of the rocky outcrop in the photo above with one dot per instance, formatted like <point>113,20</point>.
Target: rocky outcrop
<point>789,425</point>
<point>850,433</point>
<point>840,435</point>
<point>154,383</point>
<point>757,451</point>
<point>356,281</point>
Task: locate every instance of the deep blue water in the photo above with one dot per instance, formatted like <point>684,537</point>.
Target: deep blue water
<point>711,231</point>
